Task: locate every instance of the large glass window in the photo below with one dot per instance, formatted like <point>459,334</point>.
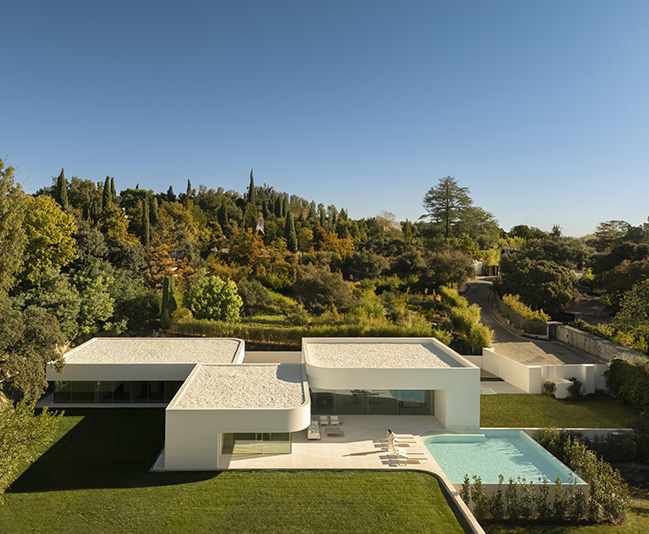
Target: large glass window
<point>372,402</point>
<point>250,444</point>
<point>107,391</point>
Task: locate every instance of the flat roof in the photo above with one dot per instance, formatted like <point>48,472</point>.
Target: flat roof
<point>422,354</point>
<point>245,386</point>
<point>124,350</point>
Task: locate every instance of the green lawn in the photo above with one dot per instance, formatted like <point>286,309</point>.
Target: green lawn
<point>95,478</point>
<point>593,411</point>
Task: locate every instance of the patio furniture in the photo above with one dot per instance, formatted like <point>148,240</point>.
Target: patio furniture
<point>324,420</point>
<point>333,430</point>
<point>333,419</point>
<point>313,432</point>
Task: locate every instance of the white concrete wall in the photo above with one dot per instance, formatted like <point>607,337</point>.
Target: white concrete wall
<point>530,378</point>
<point>273,356</point>
<point>457,389</point>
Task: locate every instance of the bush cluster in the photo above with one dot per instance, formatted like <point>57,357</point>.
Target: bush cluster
<point>608,496</point>
<point>629,382</point>
<point>523,501</point>
<point>522,309</point>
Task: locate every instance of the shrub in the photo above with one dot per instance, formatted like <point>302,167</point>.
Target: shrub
<point>464,318</point>
<point>549,388</point>
<point>210,297</point>
<point>496,505</point>
<point>629,381</point>
<point>480,337</point>
<point>515,304</point>
<point>443,335</point>
<point>574,389</point>
<point>450,297</point>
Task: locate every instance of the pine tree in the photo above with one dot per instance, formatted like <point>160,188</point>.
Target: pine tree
<point>252,195</point>
<point>146,230</point>
<point>289,233</point>
<point>61,193</point>
<point>106,198</point>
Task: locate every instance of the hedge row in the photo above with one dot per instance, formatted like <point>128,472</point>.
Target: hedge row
<point>515,304</point>
<point>629,382</point>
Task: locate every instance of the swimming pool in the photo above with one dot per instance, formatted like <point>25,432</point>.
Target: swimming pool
<point>489,453</point>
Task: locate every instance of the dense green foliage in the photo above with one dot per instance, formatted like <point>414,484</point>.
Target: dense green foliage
<point>210,297</point>
<point>629,382</point>
<point>541,284</point>
<point>514,302</point>
<point>22,434</point>
<point>608,495</point>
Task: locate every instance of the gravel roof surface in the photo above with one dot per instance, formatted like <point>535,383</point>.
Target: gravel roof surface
<point>379,355</point>
<point>155,350</point>
<point>244,386</point>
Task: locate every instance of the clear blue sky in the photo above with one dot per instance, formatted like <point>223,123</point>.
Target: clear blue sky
<point>540,108</point>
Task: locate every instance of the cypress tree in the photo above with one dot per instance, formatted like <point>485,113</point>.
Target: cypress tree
<point>153,205</point>
<point>171,196</point>
<point>278,206</point>
<point>190,192</point>
<point>222,215</point>
<point>146,231</point>
<point>264,210</point>
<point>106,199</point>
<point>252,195</point>
<point>250,217</point>
<point>289,233</point>
<point>169,304</point>
<point>61,193</point>
<point>113,192</point>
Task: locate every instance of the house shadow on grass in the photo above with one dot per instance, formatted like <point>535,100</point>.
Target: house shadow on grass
<point>107,448</point>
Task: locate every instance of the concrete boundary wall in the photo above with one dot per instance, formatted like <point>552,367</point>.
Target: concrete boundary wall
<point>530,378</point>
<point>603,348</point>
<point>533,328</point>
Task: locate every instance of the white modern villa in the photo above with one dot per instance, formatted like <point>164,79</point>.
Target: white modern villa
<point>220,400</point>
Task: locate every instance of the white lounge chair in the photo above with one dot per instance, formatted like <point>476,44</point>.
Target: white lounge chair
<point>404,457</point>
<point>324,420</point>
<point>333,419</point>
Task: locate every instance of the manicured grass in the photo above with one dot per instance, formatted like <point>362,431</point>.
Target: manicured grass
<point>593,411</point>
<point>95,478</point>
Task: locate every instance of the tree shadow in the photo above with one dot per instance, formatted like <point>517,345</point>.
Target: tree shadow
<point>107,448</point>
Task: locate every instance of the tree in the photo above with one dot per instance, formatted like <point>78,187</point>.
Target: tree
<point>113,191</point>
<point>634,309</point>
<point>316,288</point>
<point>28,341</point>
<point>541,284</point>
<point>210,297</point>
<point>252,195</point>
<point>49,232</point>
<point>168,304</point>
<point>146,229</point>
<point>22,434</point>
<point>106,198</point>
<point>289,233</point>
<point>12,233</point>
<point>446,202</point>
<point>61,193</point>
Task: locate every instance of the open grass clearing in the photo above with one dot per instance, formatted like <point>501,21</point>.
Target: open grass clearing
<point>95,478</point>
<point>592,411</point>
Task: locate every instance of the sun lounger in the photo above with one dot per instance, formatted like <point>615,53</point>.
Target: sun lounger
<point>404,457</point>
<point>333,419</point>
<point>333,430</point>
<point>324,420</point>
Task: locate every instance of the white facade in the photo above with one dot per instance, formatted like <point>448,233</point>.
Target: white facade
<point>222,394</point>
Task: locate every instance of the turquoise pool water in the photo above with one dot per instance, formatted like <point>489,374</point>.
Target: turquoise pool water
<point>489,453</point>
